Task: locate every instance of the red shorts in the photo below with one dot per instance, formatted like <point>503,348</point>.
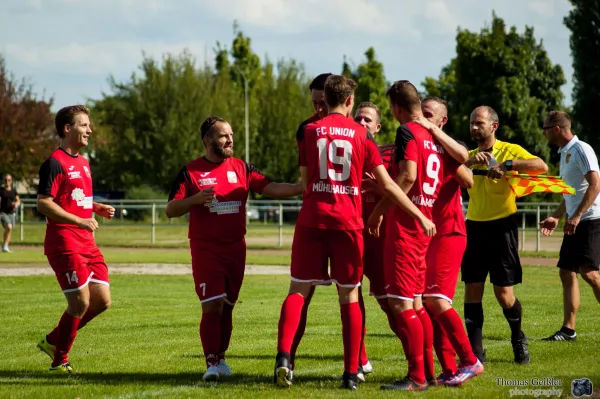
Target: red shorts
<point>76,270</point>
<point>444,258</point>
<point>404,261</point>
<point>373,263</point>
<point>218,269</point>
<point>312,247</point>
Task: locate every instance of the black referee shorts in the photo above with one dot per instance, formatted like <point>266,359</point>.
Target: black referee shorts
<point>581,248</point>
<point>493,247</point>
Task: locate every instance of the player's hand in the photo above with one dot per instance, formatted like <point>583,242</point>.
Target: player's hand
<point>548,225</point>
<point>481,158</point>
<point>571,225</point>
<point>88,224</point>
<point>106,211</point>
<point>497,172</point>
<point>428,226</point>
<point>421,120</point>
<point>374,223</point>
<point>204,196</point>
<point>370,186</point>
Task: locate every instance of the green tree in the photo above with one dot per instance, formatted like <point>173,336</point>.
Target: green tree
<point>372,87</point>
<point>508,71</point>
<point>27,135</point>
<point>583,21</point>
<point>150,124</point>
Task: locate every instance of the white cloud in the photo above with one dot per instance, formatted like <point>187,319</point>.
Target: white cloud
<point>98,58</point>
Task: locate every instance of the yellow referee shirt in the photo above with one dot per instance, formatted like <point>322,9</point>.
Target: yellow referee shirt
<point>492,199</point>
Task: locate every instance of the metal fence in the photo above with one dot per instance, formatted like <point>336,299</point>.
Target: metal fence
<point>262,213</point>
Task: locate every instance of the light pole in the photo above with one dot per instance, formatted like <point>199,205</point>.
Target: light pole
<point>247,122</point>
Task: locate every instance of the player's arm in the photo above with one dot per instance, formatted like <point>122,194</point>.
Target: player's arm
<point>51,176</point>
<point>590,194</point>
<point>283,190</point>
<point>529,166</point>
<point>406,178</point>
<point>548,225</point>
<point>17,202</point>
<point>397,196</point>
<point>464,176</point>
<point>454,148</point>
<point>304,177</point>
<point>180,202</point>
<point>106,211</point>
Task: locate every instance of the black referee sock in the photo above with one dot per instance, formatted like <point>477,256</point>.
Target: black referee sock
<point>570,332</point>
<point>513,316</point>
<point>474,323</point>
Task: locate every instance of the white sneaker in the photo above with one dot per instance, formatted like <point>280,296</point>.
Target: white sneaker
<point>367,368</point>
<point>224,368</point>
<point>212,374</point>
<point>5,249</point>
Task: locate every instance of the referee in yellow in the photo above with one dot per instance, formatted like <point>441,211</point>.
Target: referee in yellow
<point>492,231</point>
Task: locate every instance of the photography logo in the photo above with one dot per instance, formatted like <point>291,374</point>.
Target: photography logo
<point>581,387</point>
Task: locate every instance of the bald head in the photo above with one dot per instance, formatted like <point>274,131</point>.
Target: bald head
<point>435,110</point>
<point>484,123</point>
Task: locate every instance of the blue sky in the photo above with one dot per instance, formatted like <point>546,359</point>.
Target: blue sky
<point>68,48</point>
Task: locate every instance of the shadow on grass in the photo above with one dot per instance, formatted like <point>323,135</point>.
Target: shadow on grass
<point>37,378</point>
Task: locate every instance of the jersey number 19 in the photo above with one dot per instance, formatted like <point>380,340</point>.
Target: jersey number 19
<point>329,151</point>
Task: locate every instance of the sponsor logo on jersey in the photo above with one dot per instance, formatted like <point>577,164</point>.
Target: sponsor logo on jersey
<point>224,208</point>
<point>79,197</point>
<point>209,181</point>
<point>231,177</point>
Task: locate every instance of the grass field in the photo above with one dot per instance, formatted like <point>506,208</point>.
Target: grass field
<point>147,344</point>
<point>146,255</point>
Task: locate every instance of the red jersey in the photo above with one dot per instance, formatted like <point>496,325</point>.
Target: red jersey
<point>447,213</point>
<point>415,143</point>
<point>223,220</point>
<point>370,200</point>
<point>336,152</point>
<point>68,179</point>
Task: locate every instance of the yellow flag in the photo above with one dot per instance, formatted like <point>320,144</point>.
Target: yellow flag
<point>523,184</point>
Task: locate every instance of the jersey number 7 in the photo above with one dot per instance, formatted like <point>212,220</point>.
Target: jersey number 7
<point>329,152</point>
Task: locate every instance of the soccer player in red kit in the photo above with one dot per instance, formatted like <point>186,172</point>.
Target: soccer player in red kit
<point>368,115</point>
<point>334,153</point>
<point>214,190</point>
<point>317,95</point>
<point>65,197</point>
<point>444,258</point>
<point>420,164</point>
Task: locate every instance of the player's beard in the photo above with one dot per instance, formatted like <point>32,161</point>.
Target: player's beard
<point>479,136</point>
<point>222,151</point>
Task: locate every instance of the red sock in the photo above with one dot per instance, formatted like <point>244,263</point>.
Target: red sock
<point>411,335</point>
<point>210,335</point>
<point>67,331</point>
<point>301,327</point>
<point>385,306</point>
<point>289,320</point>
<point>362,357</point>
<point>427,343</point>
<point>443,348</point>
<point>452,324</point>
<point>351,334</point>
<point>226,329</point>
<point>52,337</point>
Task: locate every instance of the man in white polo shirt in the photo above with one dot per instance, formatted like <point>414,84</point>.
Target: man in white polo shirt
<point>580,250</point>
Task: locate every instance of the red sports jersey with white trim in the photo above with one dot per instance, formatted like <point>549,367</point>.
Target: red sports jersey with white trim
<point>336,152</point>
<point>223,220</point>
<point>415,143</point>
<point>68,179</point>
<point>447,213</point>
